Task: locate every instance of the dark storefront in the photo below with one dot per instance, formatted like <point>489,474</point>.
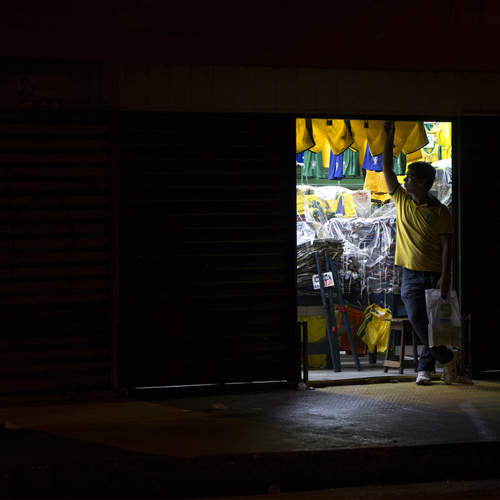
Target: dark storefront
<point>147,186</point>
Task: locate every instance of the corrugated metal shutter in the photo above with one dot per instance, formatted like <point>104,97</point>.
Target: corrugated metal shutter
<point>479,207</point>
<point>207,248</point>
<point>55,254</point>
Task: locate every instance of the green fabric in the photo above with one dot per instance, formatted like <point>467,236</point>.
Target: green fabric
<point>351,163</point>
<point>313,165</point>
<point>400,164</point>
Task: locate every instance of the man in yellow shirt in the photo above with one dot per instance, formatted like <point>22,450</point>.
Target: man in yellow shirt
<point>423,250</point>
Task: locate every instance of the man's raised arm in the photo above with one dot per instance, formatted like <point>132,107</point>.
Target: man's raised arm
<point>391,179</point>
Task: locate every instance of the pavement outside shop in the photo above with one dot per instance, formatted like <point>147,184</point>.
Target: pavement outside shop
<point>324,441</point>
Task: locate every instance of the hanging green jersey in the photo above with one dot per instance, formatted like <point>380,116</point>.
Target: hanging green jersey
<point>351,163</point>
<point>313,165</point>
<point>400,164</point>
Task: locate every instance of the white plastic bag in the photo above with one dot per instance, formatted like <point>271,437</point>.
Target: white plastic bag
<point>444,318</point>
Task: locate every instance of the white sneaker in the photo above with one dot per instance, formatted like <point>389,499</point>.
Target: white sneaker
<point>450,369</point>
<point>424,378</point>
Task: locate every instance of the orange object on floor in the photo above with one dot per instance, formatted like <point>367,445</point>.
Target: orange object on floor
<point>354,316</point>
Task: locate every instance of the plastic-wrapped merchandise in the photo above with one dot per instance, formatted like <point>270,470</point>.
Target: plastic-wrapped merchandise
<point>367,262</point>
<point>442,187</point>
<point>306,232</point>
<point>306,261</point>
<point>363,245</point>
<point>323,203</point>
<point>310,206</point>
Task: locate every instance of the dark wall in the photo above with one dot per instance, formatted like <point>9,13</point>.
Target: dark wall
<point>56,261</point>
<point>480,272</point>
<point>451,35</point>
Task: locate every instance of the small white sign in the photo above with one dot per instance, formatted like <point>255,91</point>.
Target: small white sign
<point>327,280</point>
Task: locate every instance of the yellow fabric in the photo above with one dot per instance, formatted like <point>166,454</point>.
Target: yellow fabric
<point>376,137</point>
<point>408,136</point>
<point>339,137</point>
<point>374,134</point>
<point>349,206</point>
<point>373,330</point>
<point>326,155</point>
<point>431,155</point>
<point>416,156</point>
<point>380,197</point>
<point>336,137</point>
<point>316,330</point>
<point>376,181</point>
<point>445,152</point>
<point>362,152</point>
<point>303,139</point>
<point>319,134</point>
<point>418,240</point>
<point>445,134</point>
<point>334,204</point>
<point>305,203</point>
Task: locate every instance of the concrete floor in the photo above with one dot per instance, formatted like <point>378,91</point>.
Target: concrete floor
<point>325,439</point>
<point>369,373</point>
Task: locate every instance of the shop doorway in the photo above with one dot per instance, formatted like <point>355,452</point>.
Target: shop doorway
<point>343,207</point>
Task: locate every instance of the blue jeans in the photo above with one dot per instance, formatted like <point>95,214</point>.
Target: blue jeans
<point>413,289</point>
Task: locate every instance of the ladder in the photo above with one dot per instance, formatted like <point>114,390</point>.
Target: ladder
<point>329,312</point>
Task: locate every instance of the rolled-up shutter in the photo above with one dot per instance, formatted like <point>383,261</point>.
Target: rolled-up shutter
<point>207,248</point>
<point>55,282</point>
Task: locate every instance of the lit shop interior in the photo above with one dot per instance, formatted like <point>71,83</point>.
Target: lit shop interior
<point>346,220</point>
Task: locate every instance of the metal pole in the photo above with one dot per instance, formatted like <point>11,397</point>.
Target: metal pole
<point>325,312</point>
<point>344,314</point>
<point>305,341</point>
<point>331,304</point>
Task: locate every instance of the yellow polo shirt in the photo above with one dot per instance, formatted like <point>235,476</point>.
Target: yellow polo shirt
<point>419,230</point>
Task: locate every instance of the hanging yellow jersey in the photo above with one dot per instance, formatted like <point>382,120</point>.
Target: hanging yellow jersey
<point>338,135</point>
<point>371,131</point>
<point>431,155</point>
<point>319,134</point>
<point>408,136</point>
<point>416,156</point>
<point>445,152</point>
<point>376,137</point>
<point>372,180</point>
<point>373,330</point>
<point>326,154</point>
<point>303,135</point>
<point>375,182</point>
<point>411,137</point>
<point>444,137</point>
<point>333,134</point>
